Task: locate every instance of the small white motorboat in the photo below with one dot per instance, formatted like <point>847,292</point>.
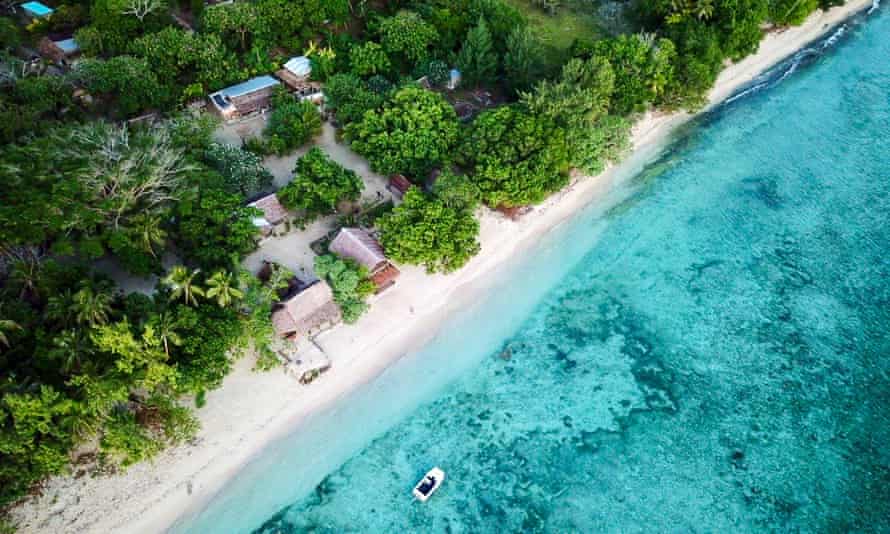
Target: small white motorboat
<point>429,484</point>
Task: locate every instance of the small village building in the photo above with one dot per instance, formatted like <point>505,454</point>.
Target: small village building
<point>307,312</point>
<point>273,214</point>
<point>295,74</point>
<point>244,98</point>
<point>36,10</point>
<point>360,246</point>
<point>398,185</point>
<point>297,69</point>
<point>60,52</point>
<point>454,78</point>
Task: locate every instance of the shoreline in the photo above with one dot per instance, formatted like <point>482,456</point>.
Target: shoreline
<point>252,409</point>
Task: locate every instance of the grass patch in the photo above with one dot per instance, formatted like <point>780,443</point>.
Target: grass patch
<point>559,31</point>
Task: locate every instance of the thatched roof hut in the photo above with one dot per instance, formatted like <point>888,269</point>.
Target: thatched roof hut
<point>306,313</point>
<point>358,245</point>
<point>273,213</point>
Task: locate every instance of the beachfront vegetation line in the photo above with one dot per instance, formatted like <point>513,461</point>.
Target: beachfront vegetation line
<point>109,159</point>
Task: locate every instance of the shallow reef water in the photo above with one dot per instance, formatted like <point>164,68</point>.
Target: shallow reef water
<point>717,361</point>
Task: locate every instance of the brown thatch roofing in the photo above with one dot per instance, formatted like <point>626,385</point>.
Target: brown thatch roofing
<point>399,185</point>
<point>385,277</point>
<point>307,313</point>
<point>301,84</point>
<point>357,244</point>
<point>272,209</point>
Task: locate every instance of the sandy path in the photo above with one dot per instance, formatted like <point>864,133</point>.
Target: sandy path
<point>252,409</point>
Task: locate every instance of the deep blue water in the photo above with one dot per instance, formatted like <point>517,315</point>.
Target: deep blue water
<point>710,355</point>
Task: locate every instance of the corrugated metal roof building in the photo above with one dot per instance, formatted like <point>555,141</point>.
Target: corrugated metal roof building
<point>244,98</point>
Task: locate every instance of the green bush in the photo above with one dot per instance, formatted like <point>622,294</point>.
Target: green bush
<point>125,442</point>
<point>292,123</point>
<point>517,158</point>
<point>407,36</point>
<point>350,97</point>
<point>242,171</point>
<point>319,184</point>
<point>349,282</point>
<point>414,132</point>
<point>427,231</point>
<point>368,59</point>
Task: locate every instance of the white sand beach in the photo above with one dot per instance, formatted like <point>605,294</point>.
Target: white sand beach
<point>252,408</point>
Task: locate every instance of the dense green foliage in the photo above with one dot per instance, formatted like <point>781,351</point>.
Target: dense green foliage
<point>319,184</point>
<point>407,37</point>
<point>78,187</point>
<point>477,59</point>
<point>242,171</point>
<point>369,59</point>
<point>425,230</point>
<point>187,65</point>
<point>517,158</point>
<point>643,68</point>
<point>214,229</point>
<point>35,105</point>
<point>350,97</point>
<point>578,101</point>
<point>522,60</point>
<point>349,282</point>
<point>413,133</point>
<point>82,363</point>
<point>292,123</point>
<point>128,82</point>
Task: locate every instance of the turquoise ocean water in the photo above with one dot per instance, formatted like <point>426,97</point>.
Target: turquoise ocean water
<point>710,354</point>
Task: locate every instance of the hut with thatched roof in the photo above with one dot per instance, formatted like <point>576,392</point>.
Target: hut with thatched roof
<point>360,246</point>
<point>307,312</point>
<point>273,214</point>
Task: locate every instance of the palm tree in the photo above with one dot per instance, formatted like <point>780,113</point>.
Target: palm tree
<point>704,9</point>
<point>7,325</point>
<point>90,306</point>
<point>68,347</point>
<point>148,232</point>
<point>278,280</point>
<point>220,287</point>
<point>59,308</point>
<point>182,284</point>
<point>26,275</point>
<point>164,325</point>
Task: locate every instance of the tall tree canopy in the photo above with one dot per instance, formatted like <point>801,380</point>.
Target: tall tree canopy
<point>478,60</point>
<point>413,133</point>
<point>319,184</point>
<point>79,186</point>
<point>643,69</point>
<point>407,36</point>
<point>349,96</point>
<point>517,158</point>
<point>424,230</point>
<point>579,102</point>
